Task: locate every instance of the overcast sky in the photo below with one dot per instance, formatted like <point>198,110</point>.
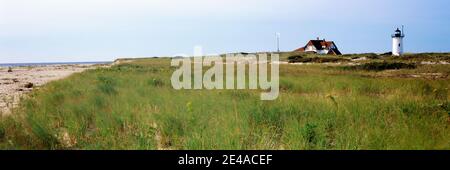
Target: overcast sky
<point>102,30</point>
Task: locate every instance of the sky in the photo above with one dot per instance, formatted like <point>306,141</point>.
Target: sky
<point>103,30</point>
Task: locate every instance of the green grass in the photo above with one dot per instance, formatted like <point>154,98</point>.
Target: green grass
<point>133,106</point>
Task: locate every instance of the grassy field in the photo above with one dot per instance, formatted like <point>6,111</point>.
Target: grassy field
<point>133,106</point>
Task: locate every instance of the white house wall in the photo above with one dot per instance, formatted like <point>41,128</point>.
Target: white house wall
<point>322,52</point>
<point>310,48</point>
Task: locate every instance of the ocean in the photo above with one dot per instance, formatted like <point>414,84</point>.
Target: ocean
<point>47,64</point>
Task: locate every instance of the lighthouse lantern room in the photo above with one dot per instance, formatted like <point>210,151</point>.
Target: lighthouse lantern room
<point>397,42</point>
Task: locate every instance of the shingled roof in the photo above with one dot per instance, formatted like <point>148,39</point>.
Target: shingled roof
<point>334,51</point>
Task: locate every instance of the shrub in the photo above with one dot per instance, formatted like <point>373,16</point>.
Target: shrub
<point>380,66</point>
<point>422,57</point>
<point>367,55</point>
<point>128,66</point>
<point>328,59</point>
<point>301,59</point>
<point>372,56</point>
<point>131,67</point>
<point>295,58</point>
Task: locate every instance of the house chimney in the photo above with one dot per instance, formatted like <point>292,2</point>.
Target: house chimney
<point>324,39</point>
<point>318,38</point>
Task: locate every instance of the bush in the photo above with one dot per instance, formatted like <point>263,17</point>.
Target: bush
<point>372,56</point>
<point>131,67</point>
<point>367,55</point>
<point>328,60</point>
<point>301,59</point>
<point>422,57</point>
<point>128,66</point>
<point>295,58</point>
<point>380,66</point>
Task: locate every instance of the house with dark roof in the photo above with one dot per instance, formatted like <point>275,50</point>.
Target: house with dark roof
<point>320,47</point>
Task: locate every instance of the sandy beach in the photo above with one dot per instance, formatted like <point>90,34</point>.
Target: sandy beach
<point>22,80</point>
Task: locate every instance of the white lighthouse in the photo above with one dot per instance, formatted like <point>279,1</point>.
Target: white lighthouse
<point>397,42</point>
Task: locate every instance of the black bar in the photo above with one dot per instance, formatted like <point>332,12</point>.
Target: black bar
<point>170,159</point>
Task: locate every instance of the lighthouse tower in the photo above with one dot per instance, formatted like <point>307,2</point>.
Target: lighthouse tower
<point>397,42</point>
